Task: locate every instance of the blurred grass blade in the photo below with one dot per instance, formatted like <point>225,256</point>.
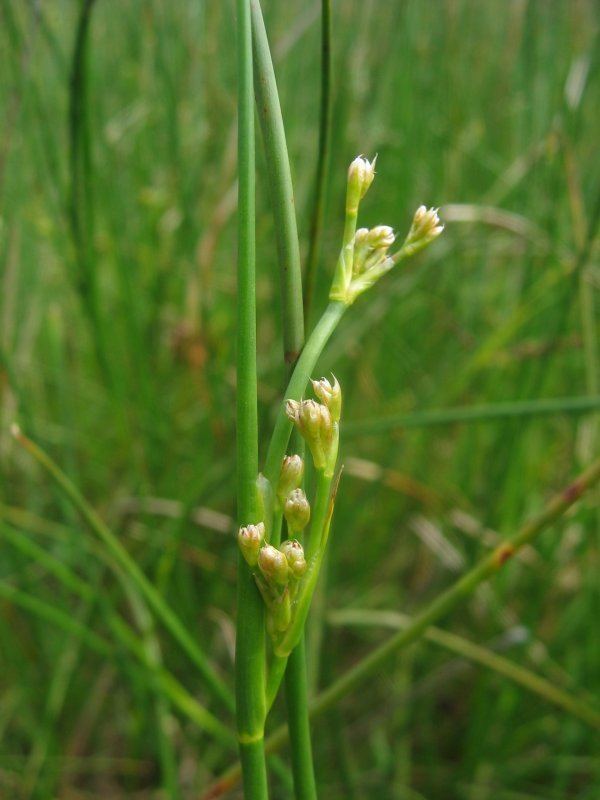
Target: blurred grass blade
<point>483,413</point>
<point>131,570</point>
<point>124,634</point>
<point>522,676</point>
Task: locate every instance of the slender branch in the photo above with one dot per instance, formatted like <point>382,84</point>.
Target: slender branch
<point>280,187</point>
<point>522,676</point>
<point>447,416</point>
<point>126,563</point>
<point>316,228</point>
<point>441,606</point>
<point>250,639</point>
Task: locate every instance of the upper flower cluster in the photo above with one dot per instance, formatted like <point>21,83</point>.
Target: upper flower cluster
<point>364,256</point>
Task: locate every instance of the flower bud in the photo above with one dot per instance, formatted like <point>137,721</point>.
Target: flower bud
<point>361,250</point>
<point>315,423</point>
<point>294,553</point>
<point>290,477</point>
<point>425,227</point>
<point>250,539</point>
<point>296,510</point>
<point>273,565</point>
<point>360,176</point>
<point>329,395</point>
<point>381,237</point>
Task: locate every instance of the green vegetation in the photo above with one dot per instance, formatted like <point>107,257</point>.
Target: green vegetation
<point>470,377</point>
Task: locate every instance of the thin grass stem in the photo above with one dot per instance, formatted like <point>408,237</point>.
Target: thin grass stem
<point>280,187</point>
<point>325,114</point>
<point>250,639</point>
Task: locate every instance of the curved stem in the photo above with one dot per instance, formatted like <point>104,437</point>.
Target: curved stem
<point>295,388</point>
<point>316,228</point>
<point>280,187</point>
<point>250,639</point>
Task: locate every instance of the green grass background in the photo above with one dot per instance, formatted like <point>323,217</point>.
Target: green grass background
<point>117,354</point>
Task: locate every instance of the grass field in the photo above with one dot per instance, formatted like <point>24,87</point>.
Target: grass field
<point>471,386</point>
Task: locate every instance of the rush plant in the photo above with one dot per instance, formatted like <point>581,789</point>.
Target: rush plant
<point>286,503</point>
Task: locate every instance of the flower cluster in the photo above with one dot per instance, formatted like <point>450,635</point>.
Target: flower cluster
<point>364,256</point>
<point>285,576</point>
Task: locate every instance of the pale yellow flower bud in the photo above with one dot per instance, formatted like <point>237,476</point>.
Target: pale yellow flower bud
<point>296,510</point>
<point>381,237</point>
<point>290,477</point>
<point>361,173</point>
<point>250,539</point>
<point>315,423</point>
<point>425,226</point>
<point>329,395</point>
<point>273,565</point>
<point>294,553</point>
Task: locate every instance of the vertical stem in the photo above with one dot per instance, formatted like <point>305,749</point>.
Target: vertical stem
<point>296,695</point>
<point>280,188</point>
<point>250,641</point>
<point>80,200</point>
<point>316,228</point>
<point>282,201</point>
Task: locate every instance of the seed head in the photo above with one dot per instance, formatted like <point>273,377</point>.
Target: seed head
<point>330,396</point>
<point>297,511</point>
<point>250,538</point>
<point>294,553</point>
<point>273,565</point>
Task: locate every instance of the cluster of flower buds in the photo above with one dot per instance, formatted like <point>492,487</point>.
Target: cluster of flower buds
<point>371,247</point>
<point>425,228</point>
<point>364,255</point>
<point>279,571</point>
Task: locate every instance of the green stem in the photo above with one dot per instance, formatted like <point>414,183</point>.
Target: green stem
<point>442,605</point>
<point>295,388</point>
<point>447,416</point>
<point>80,206</point>
<point>576,706</point>
<point>316,228</point>
<point>280,187</point>
<point>296,695</point>
<point>114,547</point>
<point>250,639</point>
